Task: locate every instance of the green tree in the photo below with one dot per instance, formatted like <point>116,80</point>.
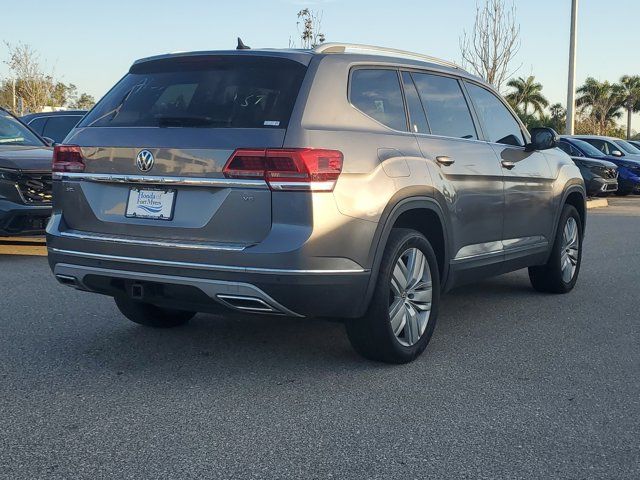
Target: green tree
<point>526,91</point>
<point>63,95</point>
<point>629,88</point>
<point>84,102</point>
<point>601,102</point>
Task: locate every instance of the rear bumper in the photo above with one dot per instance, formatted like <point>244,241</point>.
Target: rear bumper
<point>210,287</point>
<point>19,219</point>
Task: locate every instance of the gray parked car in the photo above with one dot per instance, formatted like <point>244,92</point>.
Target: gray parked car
<point>345,181</point>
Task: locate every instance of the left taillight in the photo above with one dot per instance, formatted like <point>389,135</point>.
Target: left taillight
<point>67,158</point>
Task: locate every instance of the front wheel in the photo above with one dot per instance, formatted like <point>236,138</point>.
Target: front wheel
<point>151,315</point>
<point>403,311</point>
<point>560,273</point>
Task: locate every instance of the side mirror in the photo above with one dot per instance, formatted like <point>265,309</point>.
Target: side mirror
<point>617,153</point>
<point>49,141</point>
<point>542,139</point>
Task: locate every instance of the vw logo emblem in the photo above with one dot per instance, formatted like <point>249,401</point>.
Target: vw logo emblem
<point>144,160</point>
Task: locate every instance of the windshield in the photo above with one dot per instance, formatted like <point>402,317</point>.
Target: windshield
<point>627,147</point>
<point>12,132</point>
<point>202,91</point>
<point>588,149</point>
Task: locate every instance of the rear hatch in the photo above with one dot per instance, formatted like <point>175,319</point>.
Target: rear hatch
<point>155,146</point>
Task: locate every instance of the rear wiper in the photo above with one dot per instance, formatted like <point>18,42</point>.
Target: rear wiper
<point>188,121</point>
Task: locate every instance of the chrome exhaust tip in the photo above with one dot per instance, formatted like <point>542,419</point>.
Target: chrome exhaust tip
<point>247,304</point>
<point>68,280</point>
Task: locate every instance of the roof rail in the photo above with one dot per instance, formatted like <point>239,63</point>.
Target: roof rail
<point>344,47</point>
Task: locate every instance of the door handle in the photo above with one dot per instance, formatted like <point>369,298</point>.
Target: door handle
<point>444,160</point>
<point>508,165</point>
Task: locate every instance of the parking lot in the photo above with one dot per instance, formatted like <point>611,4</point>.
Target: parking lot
<point>514,384</point>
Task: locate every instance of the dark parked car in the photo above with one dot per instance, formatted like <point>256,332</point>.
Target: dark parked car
<point>600,176</point>
<point>25,179</point>
<point>612,146</point>
<point>635,143</point>
<point>54,125</point>
<point>607,148</point>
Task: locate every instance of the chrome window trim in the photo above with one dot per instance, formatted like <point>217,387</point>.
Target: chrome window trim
<point>203,266</point>
<point>47,117</point>
<point>161,180</point>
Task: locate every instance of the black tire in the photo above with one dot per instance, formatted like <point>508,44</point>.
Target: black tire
<point>622,193</point>
<point>372,335</point>
<point>548,278</point>
<point>150,315</point>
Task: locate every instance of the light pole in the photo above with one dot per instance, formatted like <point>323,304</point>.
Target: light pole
<point>571,91</point>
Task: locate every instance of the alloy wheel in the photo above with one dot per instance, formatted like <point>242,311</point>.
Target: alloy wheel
<point>570,250</point>
<point>410,299</point>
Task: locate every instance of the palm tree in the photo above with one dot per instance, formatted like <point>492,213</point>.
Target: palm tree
<point>557,110</point>
<point>558,117</point>
<point>629,88</point>
<point>602,101</point>
<point>527,92</point>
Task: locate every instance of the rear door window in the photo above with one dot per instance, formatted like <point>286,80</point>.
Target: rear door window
<point>569,149</point>
<point>58,127</point>
<point>37,125</point>
<point>497,122</point>
<point>376,92</point>
<point>599,144</point>
<point>447,110</point>
<point>203,91</point>
<point>417,117</point>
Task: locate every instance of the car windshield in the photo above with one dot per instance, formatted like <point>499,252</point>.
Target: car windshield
<point>627,147</point>
<point>12,132</point>
<point>202,91</point>
<point>588,149</point>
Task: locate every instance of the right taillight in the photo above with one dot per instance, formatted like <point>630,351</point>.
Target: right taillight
<point>67,158</point>
<point>311,169</point>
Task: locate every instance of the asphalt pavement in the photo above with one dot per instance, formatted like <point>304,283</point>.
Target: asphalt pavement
<point>515,384</point>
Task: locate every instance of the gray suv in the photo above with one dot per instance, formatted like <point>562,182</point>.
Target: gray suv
<point>347,181</point>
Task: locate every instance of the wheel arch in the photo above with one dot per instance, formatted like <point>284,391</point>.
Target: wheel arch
<point>421,212</point>
<point>574,194</point>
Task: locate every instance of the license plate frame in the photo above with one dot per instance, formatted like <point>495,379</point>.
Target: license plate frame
<point>158,210</point>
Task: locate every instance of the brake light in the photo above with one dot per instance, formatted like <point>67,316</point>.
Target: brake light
<point>67,158</point>
<point>310,169</point>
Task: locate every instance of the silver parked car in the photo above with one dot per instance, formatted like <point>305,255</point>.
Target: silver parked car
<point>346,181</point>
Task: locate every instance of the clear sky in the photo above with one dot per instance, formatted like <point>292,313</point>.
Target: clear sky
<point>92,43</point>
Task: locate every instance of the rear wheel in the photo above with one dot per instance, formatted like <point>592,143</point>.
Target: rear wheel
<point>150,315</point>
<point>560,273</point>
<point>402,314</point>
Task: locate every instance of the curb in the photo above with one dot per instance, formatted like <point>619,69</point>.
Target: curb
<point>597,203</point>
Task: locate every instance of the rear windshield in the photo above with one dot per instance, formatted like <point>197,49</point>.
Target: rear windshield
<point>12,132</point>
<point>203,91</point>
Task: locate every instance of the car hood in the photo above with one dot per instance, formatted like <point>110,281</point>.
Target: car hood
<point>18,157</point>
<point>592,162</point>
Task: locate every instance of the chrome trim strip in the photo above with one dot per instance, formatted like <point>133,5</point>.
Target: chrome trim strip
<point>488,249</point>
<point>203,266</point>
<point>301,186</point>
<point>161,180</point>
<point>224,247</point>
